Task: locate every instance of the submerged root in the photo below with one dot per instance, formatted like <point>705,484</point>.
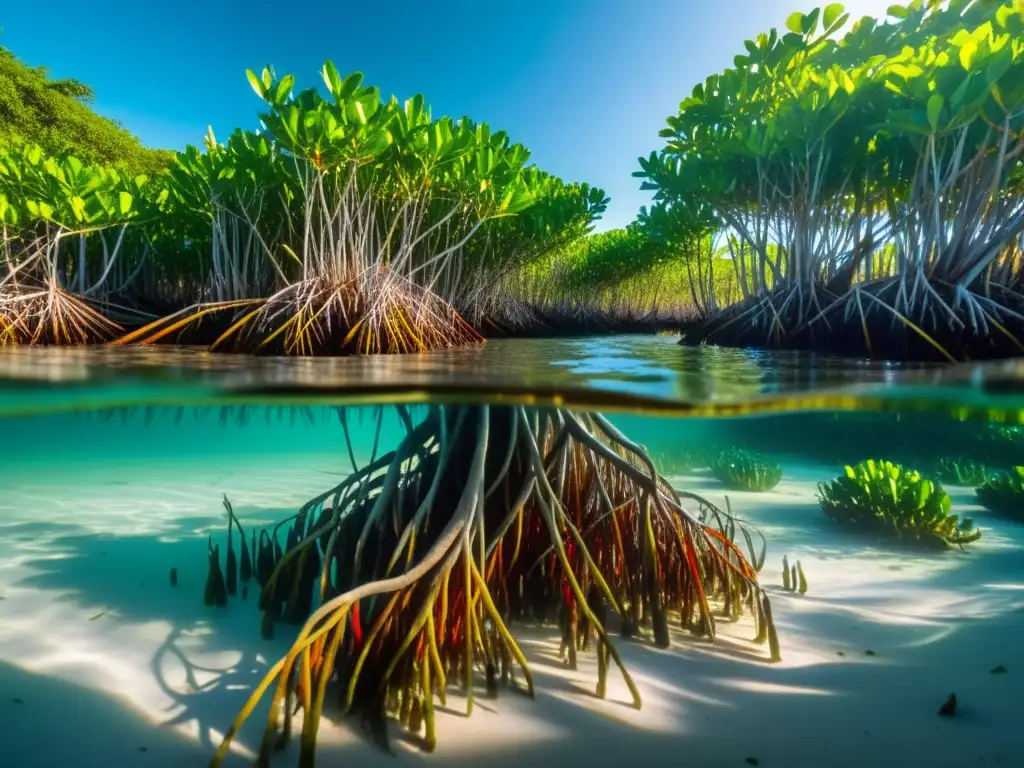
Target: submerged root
<point>425,558</point>
<point>51,316</point>
<point>372,312</point>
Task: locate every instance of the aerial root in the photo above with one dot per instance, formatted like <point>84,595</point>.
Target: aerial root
<point>371,312</point>
<point>51,316</point>
<point>492,516</point>
<point>917,315</point>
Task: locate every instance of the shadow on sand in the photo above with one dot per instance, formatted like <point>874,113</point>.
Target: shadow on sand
<point>828,703</point>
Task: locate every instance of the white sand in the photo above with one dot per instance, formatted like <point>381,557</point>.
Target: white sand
<point>105,659</point>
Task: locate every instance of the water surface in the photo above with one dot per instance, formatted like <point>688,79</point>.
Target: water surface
<point>652,373</point>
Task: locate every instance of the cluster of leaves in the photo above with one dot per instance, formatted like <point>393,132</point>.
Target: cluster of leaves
<point>403,153</point>
<point>745,471</point>
<point>72,222</point>
<point>398,144</point>
<point>65,191</point>
<point>55,115</point>
<point>882,498</point>
<point>1004,493</point>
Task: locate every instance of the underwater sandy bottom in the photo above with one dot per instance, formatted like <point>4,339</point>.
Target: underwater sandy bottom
<point>103,663</point>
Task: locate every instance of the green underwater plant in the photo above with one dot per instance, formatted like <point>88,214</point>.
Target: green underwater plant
<point>1004,493</point>
<point>744,471</point>
<point>961,471</point>
<point>408,576</point>
<point>885,498</point>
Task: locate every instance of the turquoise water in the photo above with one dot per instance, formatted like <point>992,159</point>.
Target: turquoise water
<point>116,467</point>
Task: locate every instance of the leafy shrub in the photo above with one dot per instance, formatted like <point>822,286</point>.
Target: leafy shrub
<point>1004,493</point>
<point>55,115</point>
<point>745,471</point>
<point>884,498</point>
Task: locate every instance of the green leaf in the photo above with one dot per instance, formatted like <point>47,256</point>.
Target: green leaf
<point>810,22</point>
<point>897,11</point>
<point>254,81</point>
<point>39,210</point>
<point>795,22</point>
<point>356,113</point>
<point>283,88</point>
<point>124,202</point>
<point>291,123</point>
<point>331,78</point>
<point>350,84</point>
<point>934,109</point>
<point>78,208</point>
<point>956,101</point>
<point>832,12</point>
<point>833,85</point>
<point>1000,64</point>
<point>967,52</point>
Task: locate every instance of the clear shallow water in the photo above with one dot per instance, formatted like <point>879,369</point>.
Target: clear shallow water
<point>98,504</point>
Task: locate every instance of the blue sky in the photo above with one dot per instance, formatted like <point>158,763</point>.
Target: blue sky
<point>585,84</point>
